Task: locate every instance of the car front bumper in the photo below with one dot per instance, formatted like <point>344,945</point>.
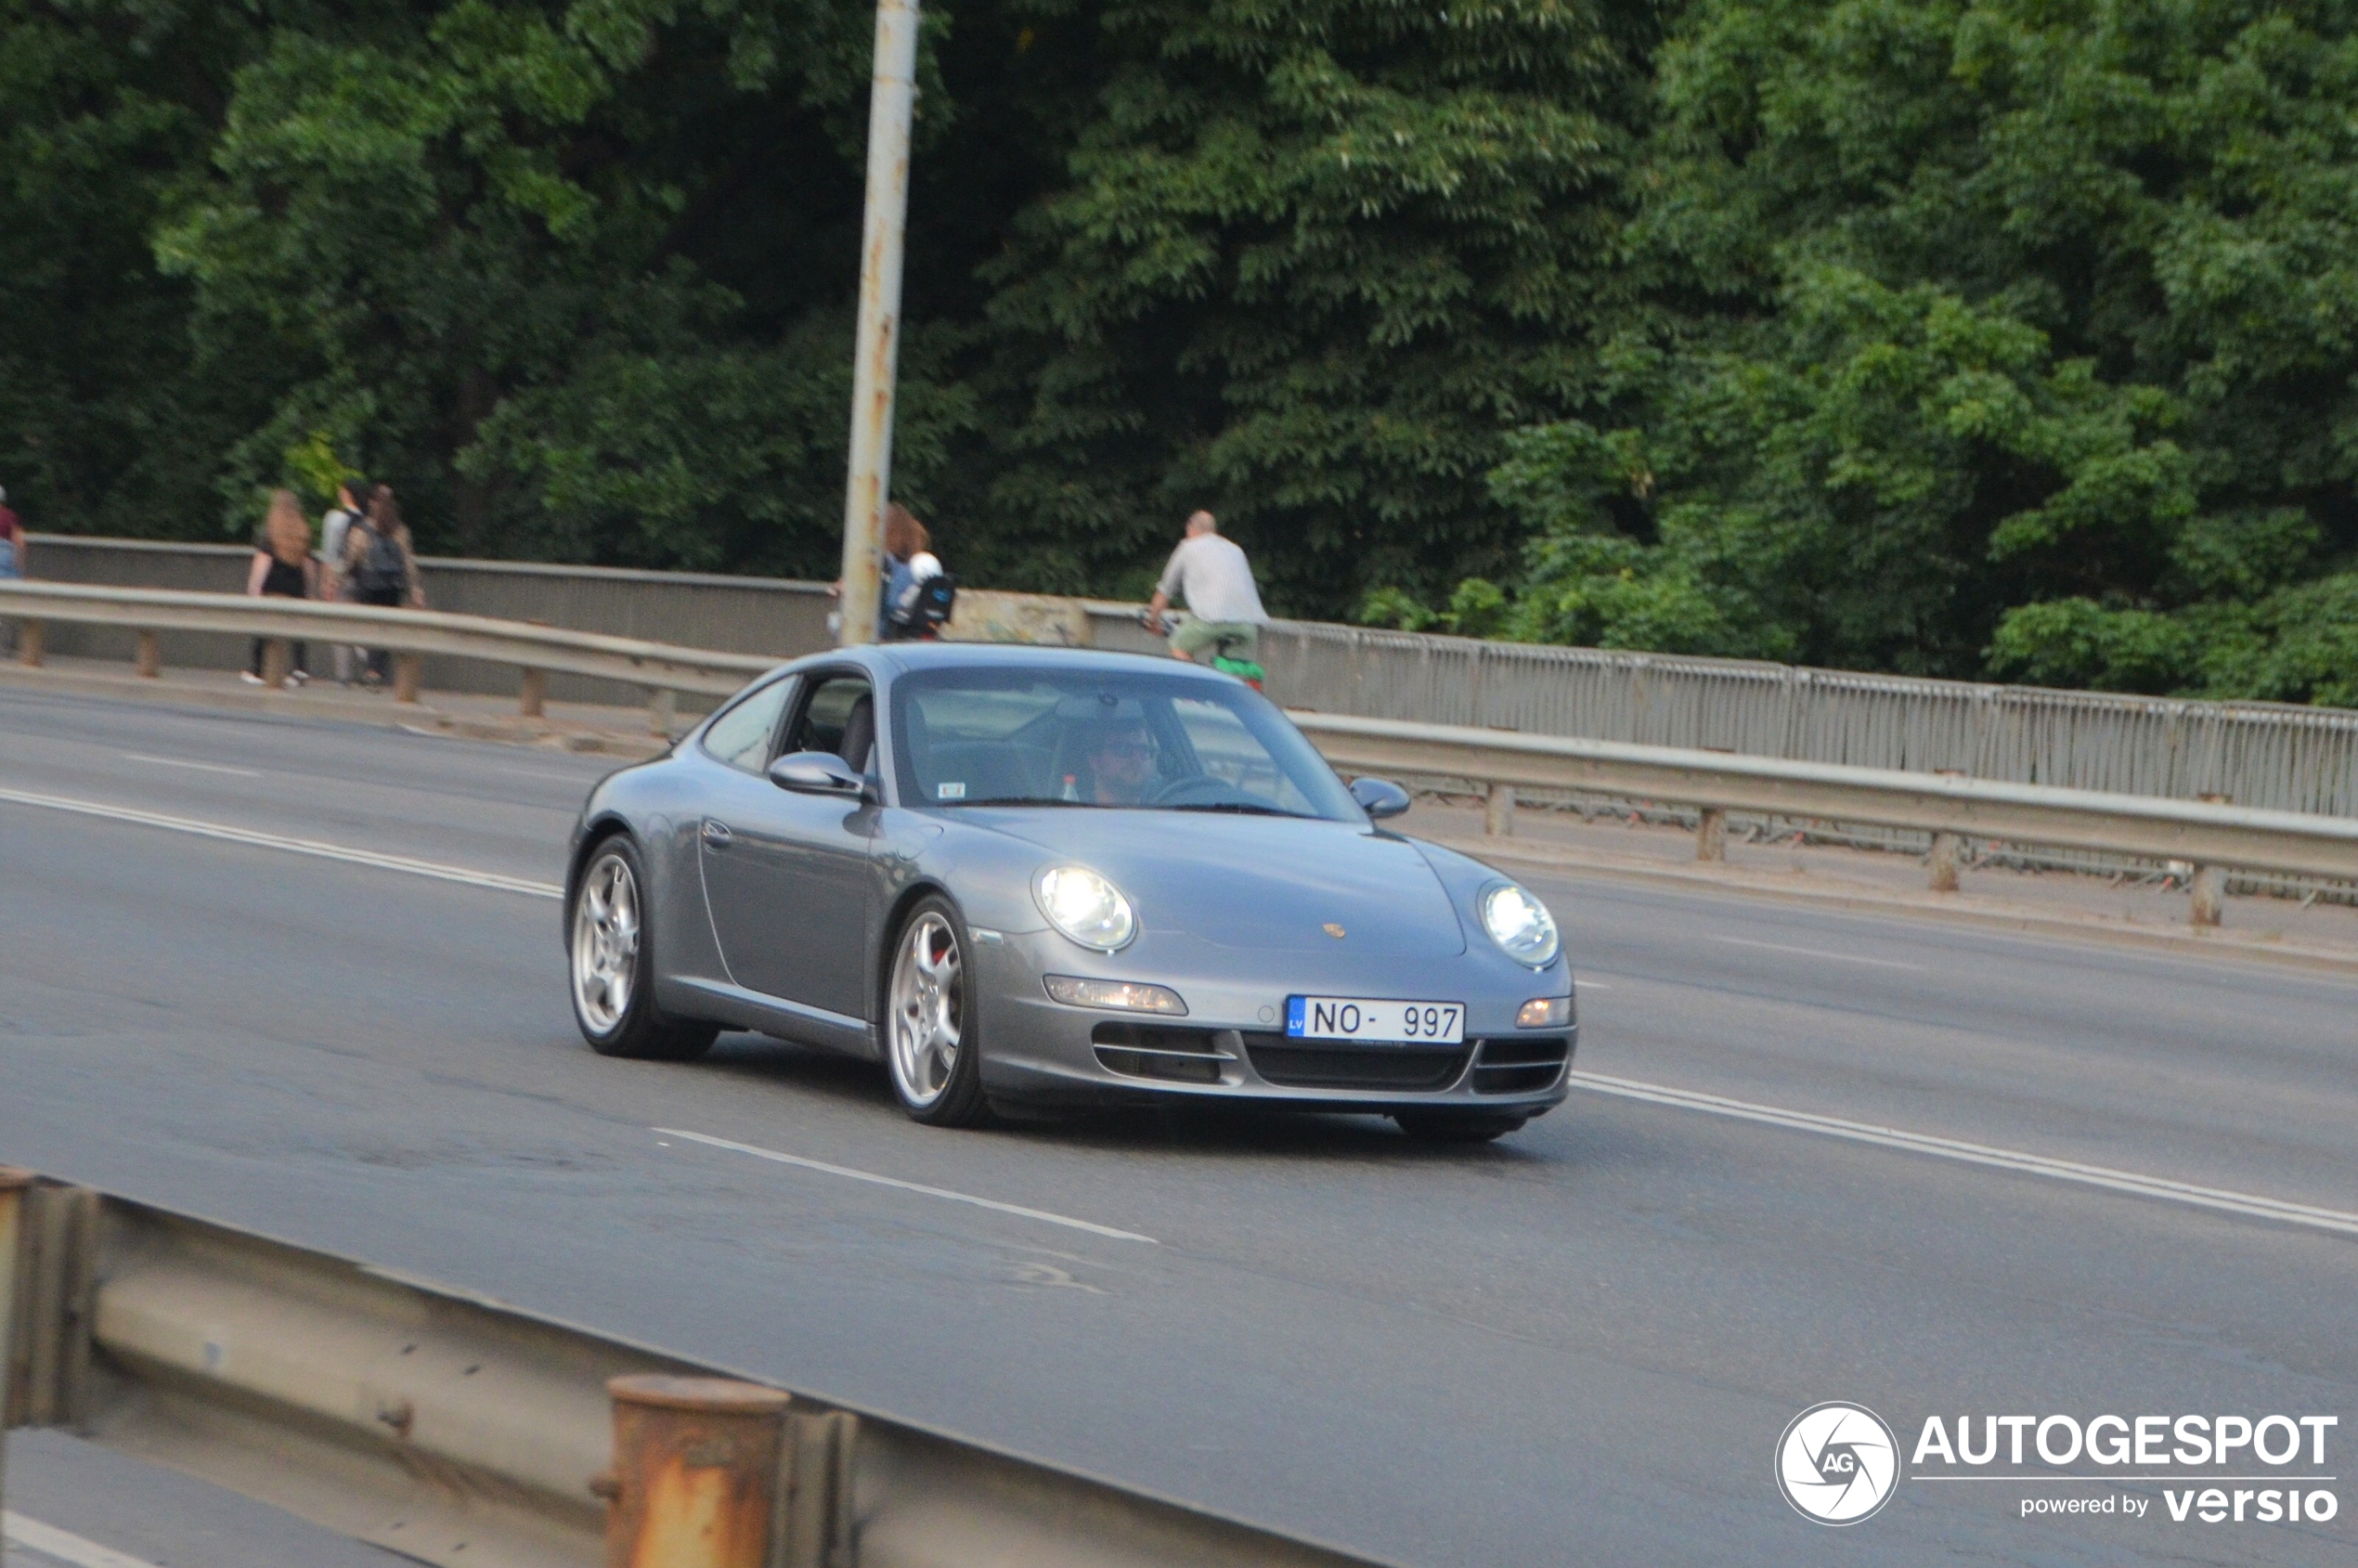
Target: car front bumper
<point>1231,1045</point>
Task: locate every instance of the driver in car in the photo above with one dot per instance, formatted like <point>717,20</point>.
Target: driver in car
<point>1122,764</point>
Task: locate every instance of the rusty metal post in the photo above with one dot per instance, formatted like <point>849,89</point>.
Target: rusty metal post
<point>1942,877</point>
<point>532,692</point>
<point>29,643</point>
<point>408,675</point>
<point>150,657</point>
<point>1498,810</point>
<point>892,93</point>
<point>663,706</point>
<point>696,1473</point>
<point>2209,890</point>
<point>1711,835</point>
<point>13,1184</point>
<point>278,659</point>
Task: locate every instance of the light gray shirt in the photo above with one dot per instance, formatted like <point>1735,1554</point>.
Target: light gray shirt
<point>1214,579</point>
<point>332,531</point>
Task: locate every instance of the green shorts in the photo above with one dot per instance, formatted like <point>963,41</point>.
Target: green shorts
<point>1198,636</point>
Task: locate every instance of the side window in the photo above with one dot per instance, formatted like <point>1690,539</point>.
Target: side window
<point>840,717</point>
<point>741,736</point>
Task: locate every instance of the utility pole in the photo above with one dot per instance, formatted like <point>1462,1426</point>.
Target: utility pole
<point>892,96</point>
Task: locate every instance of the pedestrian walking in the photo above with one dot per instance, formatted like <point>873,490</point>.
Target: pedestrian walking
<point>1224,617</point>
<point>381,568</point>
<point>12,557</point>
<point>11,540</point>
<point>333,584</point>
<point>916,594</point>
<point>282,568</point>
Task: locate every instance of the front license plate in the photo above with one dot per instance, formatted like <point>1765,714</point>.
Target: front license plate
<point>1359,1018</point>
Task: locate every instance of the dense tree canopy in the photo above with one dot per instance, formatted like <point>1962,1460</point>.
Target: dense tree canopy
<point>2009,332</point>
<point>2010,337</point>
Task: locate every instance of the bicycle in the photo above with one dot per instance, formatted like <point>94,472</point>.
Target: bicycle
<point>1223,653</point>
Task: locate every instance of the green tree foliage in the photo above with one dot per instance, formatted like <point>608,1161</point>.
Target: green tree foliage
<point>1315,258</point>
<point>487,248</point>
<point>1951,336</point>
<point>106,113</point>
<point>2010,331</point>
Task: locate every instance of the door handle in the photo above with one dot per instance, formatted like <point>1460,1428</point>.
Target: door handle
<point>716,834</point>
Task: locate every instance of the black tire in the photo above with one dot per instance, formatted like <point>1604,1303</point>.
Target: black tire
<point>929,992</point>
<point>1458,1126</point>
<point>601,961</point>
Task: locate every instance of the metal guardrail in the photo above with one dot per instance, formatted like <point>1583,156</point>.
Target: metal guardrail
<point>455,1430</point>
<point>2212,836</point>
<point>2200,832</point>
<point>661,668</point>
<point>2274,755</point>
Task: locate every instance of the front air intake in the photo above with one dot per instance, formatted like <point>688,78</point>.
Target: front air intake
<point>1520,1064</point>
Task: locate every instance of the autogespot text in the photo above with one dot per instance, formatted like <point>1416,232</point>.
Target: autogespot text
<point>2273,1469</point>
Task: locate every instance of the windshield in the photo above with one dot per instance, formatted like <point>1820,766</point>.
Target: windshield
<point>1083,738</point>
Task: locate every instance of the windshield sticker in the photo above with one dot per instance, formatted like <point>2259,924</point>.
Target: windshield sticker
<point>950,792</point>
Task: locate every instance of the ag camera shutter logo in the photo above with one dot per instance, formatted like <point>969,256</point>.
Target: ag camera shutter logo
<point>1837,1463</point>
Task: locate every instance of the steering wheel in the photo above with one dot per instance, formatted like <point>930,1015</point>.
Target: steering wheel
<point>1195,789</point>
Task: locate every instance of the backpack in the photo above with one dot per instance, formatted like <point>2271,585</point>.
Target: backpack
<point>928,607</point>
<point>381,570</point>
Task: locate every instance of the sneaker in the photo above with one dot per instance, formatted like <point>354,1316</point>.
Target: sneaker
<point>300,678</point>
<point>250,678</point>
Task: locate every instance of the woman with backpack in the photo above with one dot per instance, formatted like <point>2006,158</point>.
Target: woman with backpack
<point>282,568</point>
<point>917,594</point>
<point>380,568</point>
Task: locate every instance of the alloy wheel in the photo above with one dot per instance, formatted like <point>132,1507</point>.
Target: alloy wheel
<point>605,943</point>
<point>928,1009</point>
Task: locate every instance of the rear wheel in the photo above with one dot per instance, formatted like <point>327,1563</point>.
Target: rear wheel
<point>933,1040</point>
<point>1457,1126</point>
<point>613,964</point>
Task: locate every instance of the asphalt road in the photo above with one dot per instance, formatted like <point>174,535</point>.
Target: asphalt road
<point>1576,1346</point>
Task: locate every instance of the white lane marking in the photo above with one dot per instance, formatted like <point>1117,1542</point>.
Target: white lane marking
<point>184,762</point>
<point>2251,1204</point>
<point>64,1545</point>
<point>1817,952</point>
<point>292,845</point>
<point>1579,984</point>
<point>760,1153</point>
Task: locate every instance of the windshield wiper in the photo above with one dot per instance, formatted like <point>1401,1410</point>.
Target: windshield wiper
<point>1020,800</point>
<point>1242,808</point>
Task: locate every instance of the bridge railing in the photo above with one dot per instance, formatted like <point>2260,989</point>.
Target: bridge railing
<point>2212,836</point>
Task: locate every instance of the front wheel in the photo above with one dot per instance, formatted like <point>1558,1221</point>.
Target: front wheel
<point>614,968</point>
<point>933,1040</point>
<point>1457,1126</point>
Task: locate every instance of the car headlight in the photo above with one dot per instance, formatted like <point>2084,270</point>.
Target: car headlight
<point>1085,907</point>
<point>1520,924</point>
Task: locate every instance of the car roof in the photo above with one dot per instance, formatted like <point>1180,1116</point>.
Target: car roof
<point>909,658</point>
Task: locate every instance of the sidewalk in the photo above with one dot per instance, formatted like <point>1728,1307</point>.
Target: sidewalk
<point>615,732</point>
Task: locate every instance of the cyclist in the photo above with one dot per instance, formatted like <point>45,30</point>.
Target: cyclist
<point>1224,613</point>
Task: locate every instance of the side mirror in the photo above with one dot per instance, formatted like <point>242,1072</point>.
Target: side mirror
<point>818,773</point>
<point>1379,798</point>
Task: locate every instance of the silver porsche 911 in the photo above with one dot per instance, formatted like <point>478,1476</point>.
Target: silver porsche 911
<point>1028,878</point>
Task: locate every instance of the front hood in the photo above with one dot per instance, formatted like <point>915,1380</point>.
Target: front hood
<point>1269,884</point>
